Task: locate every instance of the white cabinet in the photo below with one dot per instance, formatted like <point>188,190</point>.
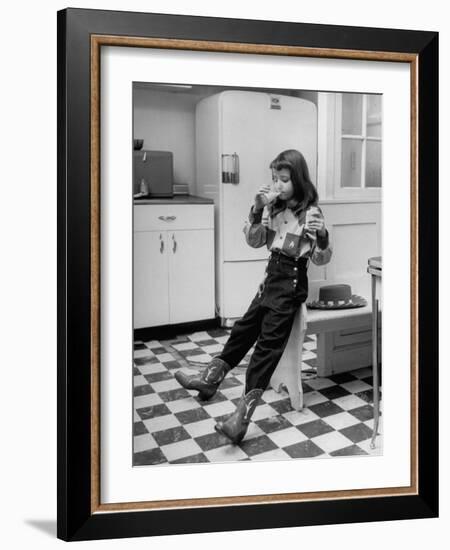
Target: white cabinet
<point>151,275</point>
<point>191,275</point>
<point>173,264</point>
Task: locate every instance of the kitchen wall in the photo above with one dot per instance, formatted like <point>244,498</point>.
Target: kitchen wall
<point>310,96</point>
<point>165,120</point>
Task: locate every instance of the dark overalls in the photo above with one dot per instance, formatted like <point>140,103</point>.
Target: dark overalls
<point>268,320</point>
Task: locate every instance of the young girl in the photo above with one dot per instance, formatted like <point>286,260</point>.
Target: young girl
<point>294,233</point>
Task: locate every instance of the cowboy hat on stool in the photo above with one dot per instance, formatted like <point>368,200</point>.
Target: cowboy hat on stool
<point>337,297</point>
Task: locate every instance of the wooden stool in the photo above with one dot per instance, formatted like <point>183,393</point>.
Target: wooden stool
<point>289,368</point>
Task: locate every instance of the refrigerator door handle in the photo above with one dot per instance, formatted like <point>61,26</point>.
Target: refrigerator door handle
<point>230,168</point>
<point>236,168</point>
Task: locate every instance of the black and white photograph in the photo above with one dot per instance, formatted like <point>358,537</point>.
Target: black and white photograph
<point>224,304</point>
<point>257,262</point>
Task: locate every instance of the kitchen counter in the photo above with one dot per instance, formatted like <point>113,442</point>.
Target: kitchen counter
<point>176,199</point>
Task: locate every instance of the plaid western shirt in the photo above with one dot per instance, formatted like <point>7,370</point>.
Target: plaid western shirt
<point>283,230</point>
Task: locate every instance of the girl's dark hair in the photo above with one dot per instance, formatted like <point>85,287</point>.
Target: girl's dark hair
<point>304,190</point>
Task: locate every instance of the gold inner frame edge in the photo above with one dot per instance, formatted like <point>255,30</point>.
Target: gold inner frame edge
<point>97,41</point>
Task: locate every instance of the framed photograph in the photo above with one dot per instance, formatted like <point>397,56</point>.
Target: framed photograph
<point>247,274</point>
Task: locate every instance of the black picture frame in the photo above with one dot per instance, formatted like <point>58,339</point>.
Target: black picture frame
<point>79,517</point>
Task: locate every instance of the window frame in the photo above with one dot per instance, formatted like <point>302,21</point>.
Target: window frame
<point>362,191</point>
<point>330,151</point>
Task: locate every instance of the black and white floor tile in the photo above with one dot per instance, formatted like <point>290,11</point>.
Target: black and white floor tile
<point>171,425</point>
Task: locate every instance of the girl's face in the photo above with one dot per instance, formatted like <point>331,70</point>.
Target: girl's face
<point>283,184</point>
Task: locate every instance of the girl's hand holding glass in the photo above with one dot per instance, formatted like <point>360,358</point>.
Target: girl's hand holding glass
<point>265,196</point>
<point>314,222</point>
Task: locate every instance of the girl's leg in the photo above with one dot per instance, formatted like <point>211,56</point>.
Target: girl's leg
<point>275,330</point>
<point>243,334</point>
<point>242,337</point>
<point>286,288</point>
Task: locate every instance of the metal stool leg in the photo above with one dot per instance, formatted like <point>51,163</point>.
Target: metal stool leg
<point>376,399</point>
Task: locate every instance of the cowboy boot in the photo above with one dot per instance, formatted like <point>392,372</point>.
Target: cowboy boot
<point>208,381</point>
<point>235,426</point>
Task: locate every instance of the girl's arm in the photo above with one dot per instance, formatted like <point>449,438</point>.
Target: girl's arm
<point>322,250</point>
<point>256,231</point>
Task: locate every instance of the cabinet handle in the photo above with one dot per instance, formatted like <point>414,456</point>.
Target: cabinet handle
<point>167,218</point>
<point>161,247</point>
<point>174,249</point>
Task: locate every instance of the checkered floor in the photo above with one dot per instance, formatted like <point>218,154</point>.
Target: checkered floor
<point>171,425</point>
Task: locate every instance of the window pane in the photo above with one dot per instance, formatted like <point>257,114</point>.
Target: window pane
<point>351,163</point>
<point>352,114</point>
<point>373,116</point>
<point>373,164</point>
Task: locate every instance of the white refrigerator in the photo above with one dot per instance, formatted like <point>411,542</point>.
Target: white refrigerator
<point>238,134</point>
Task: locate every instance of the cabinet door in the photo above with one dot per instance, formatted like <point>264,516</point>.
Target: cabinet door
<point>151,279</point>
<point>191,275</point>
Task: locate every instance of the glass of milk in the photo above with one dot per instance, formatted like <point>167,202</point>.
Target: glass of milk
<point>272,194</point>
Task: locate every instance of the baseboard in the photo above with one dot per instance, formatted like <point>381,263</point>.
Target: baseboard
<point>166,332</point>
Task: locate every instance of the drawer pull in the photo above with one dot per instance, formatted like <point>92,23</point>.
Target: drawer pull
<point>167,218</point>
<point>161,247</point>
